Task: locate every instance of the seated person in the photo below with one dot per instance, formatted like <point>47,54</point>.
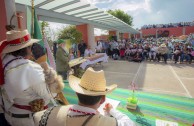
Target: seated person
<point>127,51</point>
<point>177,54</point>
<point>162,52</point>
<point>122,52</point>
<point>133,52</point>
<point>88,52</point>
<point>153,52</point>
<point>137,57</point>
<point>146,51</point>
<point>91,91</point>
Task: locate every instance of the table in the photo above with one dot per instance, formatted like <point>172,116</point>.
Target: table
<point>92,62</point>
<point>150,106</point>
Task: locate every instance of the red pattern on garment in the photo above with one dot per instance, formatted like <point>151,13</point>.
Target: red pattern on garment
<point>78,111</point>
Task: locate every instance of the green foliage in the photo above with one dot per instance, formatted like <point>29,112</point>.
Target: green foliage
<point>44,25</point>
<point>110,38</point>
<point>70,32</point>
<point>122,16</point>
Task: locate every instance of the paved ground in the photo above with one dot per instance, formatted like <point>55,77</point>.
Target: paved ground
<point>176,79</point>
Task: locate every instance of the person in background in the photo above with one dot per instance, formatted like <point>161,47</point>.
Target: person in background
<point>115,49</point>
<point>81,47</point>
<point>146,51</point>
<point>62,59</point>
<point>153,52</point>
<point>71,54</point>
<point>177,53</point>
<point>162,52</point>
<point>88,52</point>
<point>74,49</point>
<point>91,91</point>
<point>137,57</point>
<point>99,47</point>
<point>110,49</point>
<point>54,49</point>
<point>28,85</point>
<point>106,47</point>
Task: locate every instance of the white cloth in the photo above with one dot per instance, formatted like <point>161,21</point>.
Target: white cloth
<point>122,119</point>
<point>88,62</point>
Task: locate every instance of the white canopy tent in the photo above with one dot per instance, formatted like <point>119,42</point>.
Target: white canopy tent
<point>75,12</point>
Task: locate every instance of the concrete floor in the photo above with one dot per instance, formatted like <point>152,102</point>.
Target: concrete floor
<point>175,79</point>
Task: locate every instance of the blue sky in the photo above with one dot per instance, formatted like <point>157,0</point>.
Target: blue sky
<point>151,11</point>
<point>146,11</point>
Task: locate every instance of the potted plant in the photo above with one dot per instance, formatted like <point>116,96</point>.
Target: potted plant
<point>132,101</point>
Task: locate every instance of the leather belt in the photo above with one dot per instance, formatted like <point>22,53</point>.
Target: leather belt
<point>19,115</point>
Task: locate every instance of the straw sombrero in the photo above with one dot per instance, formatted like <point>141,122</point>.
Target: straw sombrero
<point>163,45</point>
<point>92,83</point>
<point>77,61</point>
<point>17,40</point>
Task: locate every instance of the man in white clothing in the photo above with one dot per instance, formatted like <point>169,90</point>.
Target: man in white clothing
<point>88,52</point>
<point>91,91</point>
<point>27,86</point>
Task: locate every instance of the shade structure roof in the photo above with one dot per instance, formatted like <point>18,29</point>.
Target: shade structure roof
<point>75,12</point>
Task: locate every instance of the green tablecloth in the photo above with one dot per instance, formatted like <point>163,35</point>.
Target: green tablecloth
<point>150,107</point>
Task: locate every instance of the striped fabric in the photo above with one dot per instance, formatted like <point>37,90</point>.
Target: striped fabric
<point>50,56</point>
<point>150,107</point>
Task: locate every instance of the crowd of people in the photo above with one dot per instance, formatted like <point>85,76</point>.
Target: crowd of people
<point>170,25</point>
<point>151,49</point>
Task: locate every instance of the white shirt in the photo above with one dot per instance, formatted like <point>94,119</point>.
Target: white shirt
<point>24,82</point>
<point>122,119</point>
<point>99,47</point>
<point>88,52</point>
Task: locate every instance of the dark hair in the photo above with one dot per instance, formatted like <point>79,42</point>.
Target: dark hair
<point>22,52</point>
<point>88,100</point>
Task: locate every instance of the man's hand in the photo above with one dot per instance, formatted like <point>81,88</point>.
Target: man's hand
<point>107,108</point>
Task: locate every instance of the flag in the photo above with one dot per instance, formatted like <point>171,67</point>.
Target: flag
<point>37,30</point>
<point>50,56</point>
<point>37,34</point>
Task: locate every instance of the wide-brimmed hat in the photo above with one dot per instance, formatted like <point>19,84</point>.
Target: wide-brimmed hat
<point>92,83</point>
<point>163,45</point>
<point>17,40</point>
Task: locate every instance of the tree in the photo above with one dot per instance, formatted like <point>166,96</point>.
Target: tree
<point>122,16</point>
<point>44,25</point>
<point>70,32</point>
<point>48,33</point>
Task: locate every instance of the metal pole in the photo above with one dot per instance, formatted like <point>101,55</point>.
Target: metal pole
<point>156,33</point>
<point>32,25</point>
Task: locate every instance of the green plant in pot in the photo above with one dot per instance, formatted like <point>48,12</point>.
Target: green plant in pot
<point>132,101</point>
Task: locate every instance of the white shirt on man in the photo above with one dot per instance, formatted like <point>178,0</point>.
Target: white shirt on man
<point>24,82</point>
<point>88,52</point>
<point>122,119</point>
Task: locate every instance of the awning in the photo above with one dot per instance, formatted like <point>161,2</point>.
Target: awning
<point>75,12</point>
